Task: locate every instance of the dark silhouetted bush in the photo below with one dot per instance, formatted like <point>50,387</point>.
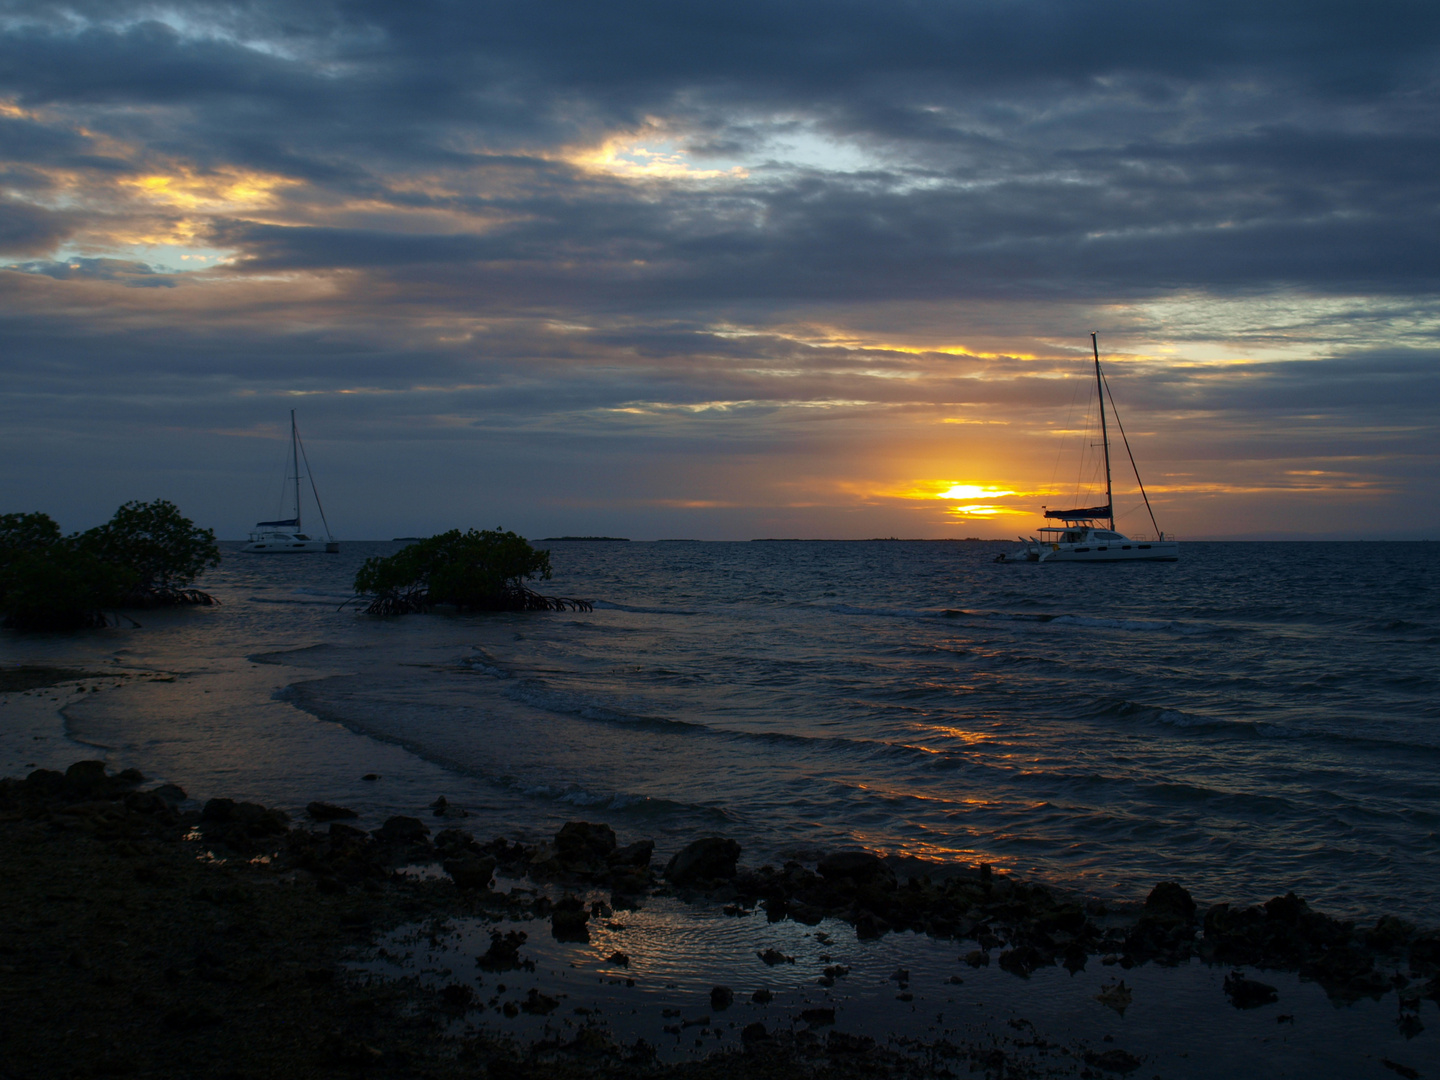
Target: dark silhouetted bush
<point>147,555</point>
<point>477,570</point>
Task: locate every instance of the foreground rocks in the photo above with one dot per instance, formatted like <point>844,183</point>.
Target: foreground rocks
<point>211,942</point>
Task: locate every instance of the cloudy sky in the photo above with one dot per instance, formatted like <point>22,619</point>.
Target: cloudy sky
<point>780,268</point>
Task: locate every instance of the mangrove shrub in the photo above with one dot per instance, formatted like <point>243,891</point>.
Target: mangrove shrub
<point>147,555</point>
<point>477,570</point>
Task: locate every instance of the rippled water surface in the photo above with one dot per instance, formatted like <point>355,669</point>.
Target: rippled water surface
<point>1253,718</point>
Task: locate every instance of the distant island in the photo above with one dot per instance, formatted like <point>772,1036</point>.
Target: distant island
<point>406,539</point>
<point>871,540</point>
<point>617,539</point>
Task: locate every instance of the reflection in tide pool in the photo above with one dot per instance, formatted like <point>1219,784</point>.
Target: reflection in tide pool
<point>900,990</point>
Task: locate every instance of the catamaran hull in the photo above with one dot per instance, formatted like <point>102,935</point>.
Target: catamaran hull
<point>292,547</point>
<point>1155,551</point>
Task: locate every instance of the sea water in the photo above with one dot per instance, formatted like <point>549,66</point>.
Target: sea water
<point>1255,718</point>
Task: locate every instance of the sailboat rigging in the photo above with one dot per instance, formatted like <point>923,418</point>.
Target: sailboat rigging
<point>286,536</point>
<point>1079,537</point>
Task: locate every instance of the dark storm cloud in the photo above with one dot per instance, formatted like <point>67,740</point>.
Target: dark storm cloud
<point>432,231</point>
<point>27,229</point>
<point>1028,147</point>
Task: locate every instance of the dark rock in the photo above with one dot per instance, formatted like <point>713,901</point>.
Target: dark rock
<point>775,956</point>
<point>707,860</point>
<point>977,958</point>
<point>860,867</point>
<point>504,951</point>
<point>838,1042</point>
<point>818,1016</point>
<point>870,926</point>
<point>347,833</point>
<point>1170,900</point>
<point>569,920</point>
<point>721,998</point>
<point>129,777</point>
<point>1248,993</point>
<point>1425,953</point>
<point>754,1033</point>
<point>470,872</point>
<point>762,997</point>
<point>370,776</point>
<point>146,802</point>
<point>173,794</point>
<point>636,854</point>
<point>580,842</point>
<point>324,811</point>
<point>85,777</point>
<point>1389,934</point>
<point>619,959</point>
<point>1286,909</point>
<point>538,1004</point>
<point>456,995</point>
<point>1116,1061</point>
<point>458,844</point>
<point>44,782</point>
<point>192,1018</point>
<point>400,830</point>
<point>1404,1070</point>
<point>218,810</point>
<point>1024,959</point>
<point>341,1049</point>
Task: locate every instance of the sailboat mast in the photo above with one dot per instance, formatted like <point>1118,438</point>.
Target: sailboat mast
<point>1104,435</point>
<point>295,464</point>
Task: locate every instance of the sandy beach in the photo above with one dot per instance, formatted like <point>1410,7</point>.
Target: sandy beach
<point>147,935</point>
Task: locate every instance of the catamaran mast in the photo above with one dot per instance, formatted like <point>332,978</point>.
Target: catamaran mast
<point>1104,436</point>
<point>295,464</point>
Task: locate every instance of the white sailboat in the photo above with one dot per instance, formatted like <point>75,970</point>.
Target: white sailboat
<point>287,536</point>
<point>1080,536</point>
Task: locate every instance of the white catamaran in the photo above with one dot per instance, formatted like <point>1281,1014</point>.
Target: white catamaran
<point>1080,537</point>
<point>287,537</point>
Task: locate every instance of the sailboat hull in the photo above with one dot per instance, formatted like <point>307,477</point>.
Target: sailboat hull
<point>282,544</point>
<point>1127,551</point>
<point>1092,551</point>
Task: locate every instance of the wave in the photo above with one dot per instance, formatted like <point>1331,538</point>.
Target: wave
<point>609,605</point>
<point>536,694</point>
<point>293,602</point>
<point>282,656</point>
<point>1102,622</point>
<point>625,802</point>
<point>485,666</point>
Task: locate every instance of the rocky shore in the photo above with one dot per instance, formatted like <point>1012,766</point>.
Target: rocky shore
<point>139,937</point>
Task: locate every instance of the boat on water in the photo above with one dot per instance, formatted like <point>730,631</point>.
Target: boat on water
<point>1087,534</point>
<point>287,536</point>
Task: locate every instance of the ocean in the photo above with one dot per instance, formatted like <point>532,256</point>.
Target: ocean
<point>1256,718</point>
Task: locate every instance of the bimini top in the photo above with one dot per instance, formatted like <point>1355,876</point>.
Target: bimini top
<point>290,523</point>
<point>1079,515</point>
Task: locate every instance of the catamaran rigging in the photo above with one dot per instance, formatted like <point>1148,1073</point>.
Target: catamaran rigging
<point>286,536</point>
<point>1080,538</point>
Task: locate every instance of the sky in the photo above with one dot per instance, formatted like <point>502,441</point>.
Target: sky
<point>755,269</point>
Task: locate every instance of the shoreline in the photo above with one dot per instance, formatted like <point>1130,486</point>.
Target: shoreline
<point>257,942</point>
